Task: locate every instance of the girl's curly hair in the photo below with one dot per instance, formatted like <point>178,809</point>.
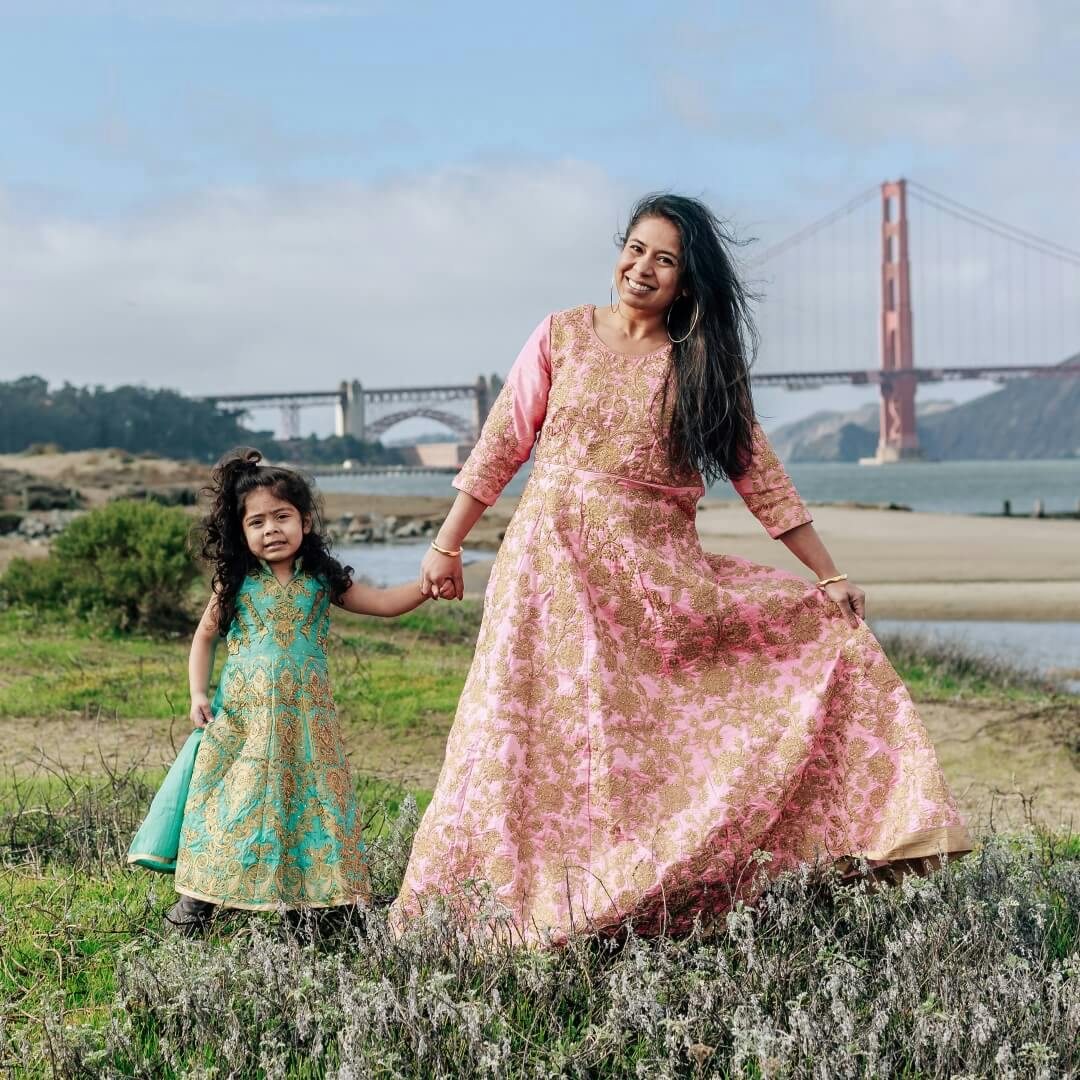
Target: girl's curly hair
<point>221,531</point>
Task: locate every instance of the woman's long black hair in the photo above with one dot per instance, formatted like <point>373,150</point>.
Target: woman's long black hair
<point>221,532</point>
<point>707,398</point>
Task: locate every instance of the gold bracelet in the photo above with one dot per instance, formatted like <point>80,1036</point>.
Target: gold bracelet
<point>443,551</point>
<point>829,580</point>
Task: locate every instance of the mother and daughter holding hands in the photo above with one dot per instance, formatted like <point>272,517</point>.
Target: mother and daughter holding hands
<point>640,716</point>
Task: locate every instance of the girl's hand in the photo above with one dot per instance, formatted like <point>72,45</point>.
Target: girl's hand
<point>441,576</point>
<point>200,711</point>
<point>849,598</point>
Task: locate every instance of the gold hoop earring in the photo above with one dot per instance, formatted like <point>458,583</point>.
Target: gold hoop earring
<point>611,296</point>
<point>693,323</point>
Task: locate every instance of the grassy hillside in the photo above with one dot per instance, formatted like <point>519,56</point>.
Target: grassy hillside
<point>975,971</point>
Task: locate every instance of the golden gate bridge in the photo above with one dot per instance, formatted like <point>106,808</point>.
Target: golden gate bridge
<point>901,285</point>
<point>994,302</point>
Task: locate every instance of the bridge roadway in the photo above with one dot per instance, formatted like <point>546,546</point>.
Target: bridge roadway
<point>877,376</point>
<point>334,397</point>
<point>858,377</point>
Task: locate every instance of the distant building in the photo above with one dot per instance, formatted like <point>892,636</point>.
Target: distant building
<point>437,454</point>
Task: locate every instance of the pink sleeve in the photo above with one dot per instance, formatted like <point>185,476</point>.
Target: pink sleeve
<point>768,491</point>
<point>513,423</point>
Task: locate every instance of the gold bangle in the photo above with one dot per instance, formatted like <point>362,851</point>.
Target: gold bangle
<point>829,580</point>
<point>444,551</point>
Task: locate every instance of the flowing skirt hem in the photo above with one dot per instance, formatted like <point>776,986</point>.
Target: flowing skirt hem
<point>275,905</point>
<point>948,840</point>
<point>944,840</point>
<point>150,861</point>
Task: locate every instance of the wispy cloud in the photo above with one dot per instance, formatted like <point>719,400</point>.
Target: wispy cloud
<point>215,131</point>
<point>942,73</point>
<point>440,276</point>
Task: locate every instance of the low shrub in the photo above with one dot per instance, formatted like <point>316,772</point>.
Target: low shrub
<point>80,821</point>
<point>37,584</point>
<point>973,972</point>
<point>125,565</point>
<point>951,667</point>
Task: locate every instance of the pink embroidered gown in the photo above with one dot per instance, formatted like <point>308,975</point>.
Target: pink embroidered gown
<point>641,716</point>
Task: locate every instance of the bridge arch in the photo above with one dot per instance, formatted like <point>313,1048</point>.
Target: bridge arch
<point>457,424</point>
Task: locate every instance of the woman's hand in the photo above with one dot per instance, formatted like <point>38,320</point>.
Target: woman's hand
<point>441,576</point>
<point>849,598</point>
<point>200,710</point>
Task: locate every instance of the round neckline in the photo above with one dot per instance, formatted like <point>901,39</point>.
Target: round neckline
<point>590,311</point>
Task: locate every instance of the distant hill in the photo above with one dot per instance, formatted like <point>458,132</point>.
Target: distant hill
<point>840,436</point>
<point>1026,418</point>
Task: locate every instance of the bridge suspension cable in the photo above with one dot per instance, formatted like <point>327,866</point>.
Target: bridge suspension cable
<point>817,294</point>
<point>814,228</point>
<point>984,293</point>
<point>989,294</point>
<point>957,209</point>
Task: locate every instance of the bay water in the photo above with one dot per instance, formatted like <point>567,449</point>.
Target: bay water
<point>956,487</point>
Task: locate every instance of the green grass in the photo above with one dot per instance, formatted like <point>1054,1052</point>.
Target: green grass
<point>49,668</point>
<point>943,671</point>
<point>71,916</point>
<point>59,936</point>
<point>397,672</point>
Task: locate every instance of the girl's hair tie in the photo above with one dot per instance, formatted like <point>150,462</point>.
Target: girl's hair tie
<point>243,461</point>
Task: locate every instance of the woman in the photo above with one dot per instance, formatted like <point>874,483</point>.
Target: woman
<point>640,716</point>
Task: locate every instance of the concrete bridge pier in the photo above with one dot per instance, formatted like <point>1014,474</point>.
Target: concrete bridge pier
<point>349,418</point>
<point>487,390</point>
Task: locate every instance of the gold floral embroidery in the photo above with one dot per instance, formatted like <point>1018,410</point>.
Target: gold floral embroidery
<point>768,491</point>
<point>496,456</point>
<point>271,817</point>
<point>640,716</point>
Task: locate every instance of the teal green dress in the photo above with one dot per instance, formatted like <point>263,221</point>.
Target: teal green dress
<point>271,817</point>
<point>156,843</point>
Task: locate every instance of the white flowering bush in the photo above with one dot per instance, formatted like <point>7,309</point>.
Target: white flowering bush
<point>973,972</point>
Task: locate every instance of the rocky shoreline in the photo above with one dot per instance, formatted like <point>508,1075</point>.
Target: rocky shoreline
<point>374,528</point>
<point>913,565</point>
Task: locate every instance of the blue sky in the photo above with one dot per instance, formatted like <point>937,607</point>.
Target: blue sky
<point>105,111</point>
<point>233,194</point>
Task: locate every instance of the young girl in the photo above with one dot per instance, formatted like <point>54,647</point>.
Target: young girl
<point>270,818</point>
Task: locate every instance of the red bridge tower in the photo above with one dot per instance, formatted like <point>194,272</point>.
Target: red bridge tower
<point>899,437</point>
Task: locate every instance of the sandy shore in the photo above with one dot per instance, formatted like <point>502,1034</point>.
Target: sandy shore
<point>928,566</point>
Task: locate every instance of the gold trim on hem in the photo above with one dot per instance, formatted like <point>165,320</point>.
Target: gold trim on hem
<point>135,857</point>
<point>945,840</point>
<point>276,905</point>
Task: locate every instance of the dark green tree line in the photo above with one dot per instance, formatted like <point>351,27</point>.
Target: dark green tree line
<point>138,418</point>
<point>132,418</point>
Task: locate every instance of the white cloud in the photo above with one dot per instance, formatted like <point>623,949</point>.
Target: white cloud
<point>433,278</point>
<point>990,79</point>
<point>980,37</point>
<point>987,93</point>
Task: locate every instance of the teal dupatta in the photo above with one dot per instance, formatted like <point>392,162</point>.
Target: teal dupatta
<point>156,843</point>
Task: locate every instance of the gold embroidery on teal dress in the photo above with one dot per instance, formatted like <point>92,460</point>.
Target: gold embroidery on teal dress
<point>271,817</point>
